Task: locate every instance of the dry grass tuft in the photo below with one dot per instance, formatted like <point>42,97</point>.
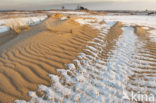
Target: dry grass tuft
<point>17,26</point>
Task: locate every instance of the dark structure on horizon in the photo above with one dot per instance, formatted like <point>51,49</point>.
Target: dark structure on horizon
<point>81,8</point>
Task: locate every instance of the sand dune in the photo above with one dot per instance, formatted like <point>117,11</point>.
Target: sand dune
<point>112,62</point>
<point>27,64</point>
<point>65,60</point>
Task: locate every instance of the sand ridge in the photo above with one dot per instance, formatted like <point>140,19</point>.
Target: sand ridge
<point>143,35</point>
<point>27,64</point>
<point>111,38</point>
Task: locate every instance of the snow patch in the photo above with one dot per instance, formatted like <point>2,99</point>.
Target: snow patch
<point>8,23</point>
<point>4,29</point>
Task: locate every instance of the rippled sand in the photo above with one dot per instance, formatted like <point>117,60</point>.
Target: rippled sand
<point>119,61</point>
<point>27,64</point>
<point>71,62</point>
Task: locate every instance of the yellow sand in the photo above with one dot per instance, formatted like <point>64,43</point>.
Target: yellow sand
<point>27,64</point>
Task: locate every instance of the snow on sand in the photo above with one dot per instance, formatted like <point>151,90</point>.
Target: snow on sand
<point>6,24</point>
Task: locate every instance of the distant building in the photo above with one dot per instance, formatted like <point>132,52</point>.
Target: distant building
<point>81,8</point>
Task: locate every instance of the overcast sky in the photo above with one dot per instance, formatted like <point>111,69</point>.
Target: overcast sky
<point>91,4</point>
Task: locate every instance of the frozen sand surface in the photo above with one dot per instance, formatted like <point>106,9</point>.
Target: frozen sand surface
<point>116,61</point>
<point>99,75</point>
<point>40,51</point>
<point>145,21</point>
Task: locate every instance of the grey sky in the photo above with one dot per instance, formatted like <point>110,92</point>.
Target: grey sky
<point>91,4</point>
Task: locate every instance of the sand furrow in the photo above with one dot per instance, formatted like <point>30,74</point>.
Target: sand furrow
<point>42,61</point>
<point>72,47</point>
<point>6,97</point>
<point>23,64</point>
<point>46,61</point>
<point>79,40</point>
<point>19,80</point>
<point>74,43</point>
<point>7,87</point>
<point>32,51</point>
<point>35,66</point>
<point>82,38</point>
